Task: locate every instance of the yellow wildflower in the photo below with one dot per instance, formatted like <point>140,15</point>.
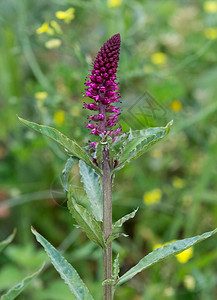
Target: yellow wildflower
<point>53,43</point>
<point>67,15</point>
<point>114,3</point>
<point>178,183</point>
<point>41,95</point>
<point>184,256</point>
<point>152,197</point>
<point>59,117</point>
<point>56,26</point>
<point>210,6</point>
<point>176,105</point>
<point>45,28</point>
<point>189,282</point>
<point>210,33</point>
<point>159,58</point>
<point>148,69</point>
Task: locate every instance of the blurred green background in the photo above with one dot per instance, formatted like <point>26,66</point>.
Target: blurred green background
<point>167,70</point>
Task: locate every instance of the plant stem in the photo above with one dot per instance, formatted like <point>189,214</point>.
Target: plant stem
<point>107,222</point>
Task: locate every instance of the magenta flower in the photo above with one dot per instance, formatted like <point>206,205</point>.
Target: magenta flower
<point>103,89</point>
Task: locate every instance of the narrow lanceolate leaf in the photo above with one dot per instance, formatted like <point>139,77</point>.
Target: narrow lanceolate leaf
<point>162,253</point>
<point>139,141</point>
<point>121,221</point>
<point>86,221</point>
<point>8,240</point>
<point>18,288</point>
<point>116,268</point>
<point>67,170</point>
<point>93,189</point>
<point>66,271</point>
<point>70,146</point>
<point>115,236</point>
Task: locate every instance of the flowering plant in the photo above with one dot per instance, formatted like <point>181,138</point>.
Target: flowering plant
<point>98,163</point>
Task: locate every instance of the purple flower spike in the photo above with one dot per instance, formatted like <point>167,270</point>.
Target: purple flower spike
<point>103,89</point>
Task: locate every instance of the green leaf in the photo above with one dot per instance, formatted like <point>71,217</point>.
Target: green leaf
<point>70,146</point>
<point>162,253</point>
<point>121,221</point>
<point>93,188</point>
<point>67,170</point>
<point>116,268</point>
<point>139,141</point>
<point>66,271</point>
<point>18,288</point>
<point>8,240</point>
<point>119,144</point>
<point>86,221</point>
<point>115,236</point>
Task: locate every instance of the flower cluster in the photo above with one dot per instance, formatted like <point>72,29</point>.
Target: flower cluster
<point>103,89</point>
<point>53,28</point>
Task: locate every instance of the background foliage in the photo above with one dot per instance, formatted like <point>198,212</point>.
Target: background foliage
<point>167,71</point>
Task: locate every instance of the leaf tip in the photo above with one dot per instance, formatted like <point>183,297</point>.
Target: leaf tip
<point>21,119</point>
<point>14,233</point>
<point>168,126</point>
<point>33,229</point>
<point>171,123</point>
